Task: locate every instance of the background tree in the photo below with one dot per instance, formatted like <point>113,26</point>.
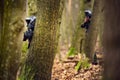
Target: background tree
<point>41,54</point>
<point>11,25</point>
<point>92,41</point>
<point>1,15</point>
<point>78,36</point>
<point>111,40</point>
<point>68,25</point>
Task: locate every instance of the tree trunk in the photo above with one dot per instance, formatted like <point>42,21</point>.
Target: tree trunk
<point>78,33</point>
<point>11,25</point>
<point>41,54</point>
<point>32,7</point>
<point>1,15</point>
<point>111,40</point>
<point>96,23</point>
<point>69,20</point>
<point>78,39</point>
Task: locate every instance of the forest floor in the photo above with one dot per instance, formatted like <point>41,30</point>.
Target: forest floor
<point>65,70</point>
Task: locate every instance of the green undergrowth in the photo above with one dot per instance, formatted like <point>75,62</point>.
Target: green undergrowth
<point>71,52</point>
<point>83,63</point>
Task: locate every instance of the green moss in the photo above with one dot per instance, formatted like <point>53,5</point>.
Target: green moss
<point>41,54</point>
<point>10,42</point>
<point>24,47</point>
<point>26,71</point>
<point>24,52</point>
<point>32,7</point>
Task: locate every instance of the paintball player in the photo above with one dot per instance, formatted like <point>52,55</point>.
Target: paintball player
<point>30,29</point>
<point>87,20</point>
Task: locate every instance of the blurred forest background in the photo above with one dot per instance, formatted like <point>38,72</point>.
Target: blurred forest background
<point>60,48</point>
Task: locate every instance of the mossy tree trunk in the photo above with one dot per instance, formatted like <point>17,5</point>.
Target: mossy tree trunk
<point>111,40</point>
<point>78,39</point>
<point>11,24</point>
<point>66,25</point>
<point>96,24</point>
<point>1,15</point>
<point>41,54</point>
<point>78,32</point>
<point>32,7</point>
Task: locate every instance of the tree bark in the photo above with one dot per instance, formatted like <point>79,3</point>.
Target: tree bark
<point>111,40</point>
<point>96,24</point>
<point>11,25</point>
<point>32,7</point>
<point>78,39</point>
<point>1,15</point>
<point>78,33</point>
<point>41,54</point>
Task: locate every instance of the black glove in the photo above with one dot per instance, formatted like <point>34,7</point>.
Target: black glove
<point>82,26</point>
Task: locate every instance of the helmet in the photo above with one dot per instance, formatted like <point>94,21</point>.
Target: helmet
<point>27,20</point>
<point>88,13</point>
<point>30,19</point>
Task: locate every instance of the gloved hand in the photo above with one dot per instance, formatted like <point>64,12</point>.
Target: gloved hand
<point>82,26</point>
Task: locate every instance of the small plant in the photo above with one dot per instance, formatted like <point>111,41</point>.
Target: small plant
<point>78,66</point>
<point>85,64</point>
<point>82,64</point>
<point>71,52</point>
